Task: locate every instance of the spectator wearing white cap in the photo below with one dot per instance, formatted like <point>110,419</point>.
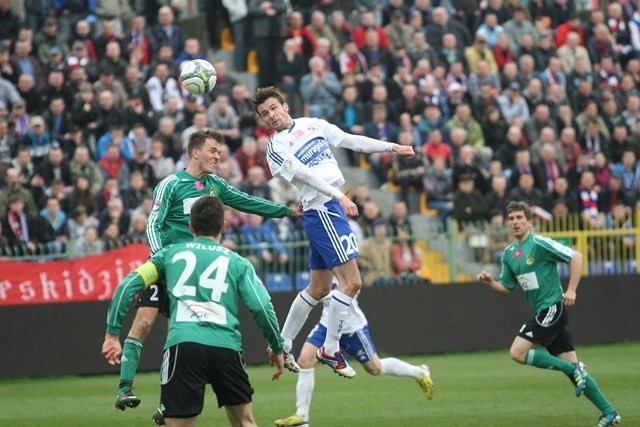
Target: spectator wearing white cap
<point>38,140</point>
<point>512,104</point>
<point>456,95</point>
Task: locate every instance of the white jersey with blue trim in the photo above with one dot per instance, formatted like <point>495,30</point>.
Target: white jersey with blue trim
<point>355,321</point>
<point>306,142</point>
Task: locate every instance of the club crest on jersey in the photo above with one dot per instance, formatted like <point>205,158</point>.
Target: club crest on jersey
<point>212,191</point>
<point>199,186</point>
<point>518,253</point>
<point>156,206</point>
<point>529,260</point>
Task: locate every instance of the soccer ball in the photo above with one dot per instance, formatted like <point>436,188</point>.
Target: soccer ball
<point>198,76</point>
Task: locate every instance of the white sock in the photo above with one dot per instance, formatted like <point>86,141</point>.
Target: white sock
<point>338,310</point>
<point>297,316</point>
<point>399,368</point>
<point>304,392</point>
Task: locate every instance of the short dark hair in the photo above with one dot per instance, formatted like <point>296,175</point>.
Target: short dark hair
<point>263,93</point>
<point>197,139</point>
<point>520,207</point>
<point>207,216</point>
<point>16,197</point>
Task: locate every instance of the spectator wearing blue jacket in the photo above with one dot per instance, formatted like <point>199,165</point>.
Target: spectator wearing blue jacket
<point>166,31</point>
<point>115,136</point>
<point>38,140</point>
<point>190,52</point>
<point>71,11</point>
<point>266,250</point>
<point>629,172</point>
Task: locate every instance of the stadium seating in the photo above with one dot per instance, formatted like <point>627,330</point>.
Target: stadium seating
<point>278,282</point>
<point>301,280</point>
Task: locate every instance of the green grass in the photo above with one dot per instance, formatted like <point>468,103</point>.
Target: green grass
<point>472,389</point>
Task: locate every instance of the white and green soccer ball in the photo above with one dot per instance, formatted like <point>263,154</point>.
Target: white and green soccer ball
<point>198,76</point>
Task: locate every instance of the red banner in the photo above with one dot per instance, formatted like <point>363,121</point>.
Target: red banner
<point>93,278</point>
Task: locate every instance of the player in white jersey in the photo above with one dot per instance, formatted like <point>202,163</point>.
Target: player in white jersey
<point>355,342</point>
<point>299,152</point>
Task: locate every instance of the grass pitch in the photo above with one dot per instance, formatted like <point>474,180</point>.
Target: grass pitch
<point>472,389</point>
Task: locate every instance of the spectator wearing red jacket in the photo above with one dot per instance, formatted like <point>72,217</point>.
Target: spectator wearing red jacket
<point>369,22</point>
<point>573,24</point>
<point>436,147</point>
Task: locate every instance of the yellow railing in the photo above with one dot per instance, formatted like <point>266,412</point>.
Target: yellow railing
<point>608,247</point>
<point>457,253</point>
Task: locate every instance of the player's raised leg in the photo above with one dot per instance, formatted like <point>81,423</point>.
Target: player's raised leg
<point>399,368</point>
<point>130,360</point>
<point>592,392</point>
<point>305,301</point>
<point>349,283</point>
<point>522,351</point>
<point>360,346</point>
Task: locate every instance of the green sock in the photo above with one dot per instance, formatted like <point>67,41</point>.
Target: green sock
<point>542,359</point>
<point>129,361</point>
<point>593,393</point>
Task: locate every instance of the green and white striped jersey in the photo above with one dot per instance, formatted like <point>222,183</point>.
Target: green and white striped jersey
<point>204,282</point>
<point>533,264</point>
<point>174,196</point>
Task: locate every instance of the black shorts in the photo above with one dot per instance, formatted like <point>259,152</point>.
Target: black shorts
<point>549,328</point>
<point>188,367</point>
<point>155,296</point>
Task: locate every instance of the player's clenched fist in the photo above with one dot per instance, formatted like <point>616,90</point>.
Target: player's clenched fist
<point>404,150</point>
<point>484,277</point>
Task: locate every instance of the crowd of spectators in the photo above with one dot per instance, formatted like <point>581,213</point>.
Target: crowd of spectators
<point>503,100</point>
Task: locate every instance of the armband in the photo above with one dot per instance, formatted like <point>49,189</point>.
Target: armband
<point>149,273</point>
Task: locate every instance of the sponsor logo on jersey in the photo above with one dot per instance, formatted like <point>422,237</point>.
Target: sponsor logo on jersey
<point>298,133</point>
<point>518,253</point>
<point>199,186</point>
<point>314,152</point>
<point>529,260</point>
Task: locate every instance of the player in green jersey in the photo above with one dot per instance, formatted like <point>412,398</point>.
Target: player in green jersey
<point>204,281</point>
<point>531,262</point>
<point>169,223</point>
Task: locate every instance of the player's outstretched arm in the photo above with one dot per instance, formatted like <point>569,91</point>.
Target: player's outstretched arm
<point>365,144</point>
<point>575,272</point>
<point>486,278</point>
<point>250,204</point>
<point>404,150</point>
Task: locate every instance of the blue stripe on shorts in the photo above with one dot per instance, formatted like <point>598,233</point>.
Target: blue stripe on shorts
<point>331,240</point>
